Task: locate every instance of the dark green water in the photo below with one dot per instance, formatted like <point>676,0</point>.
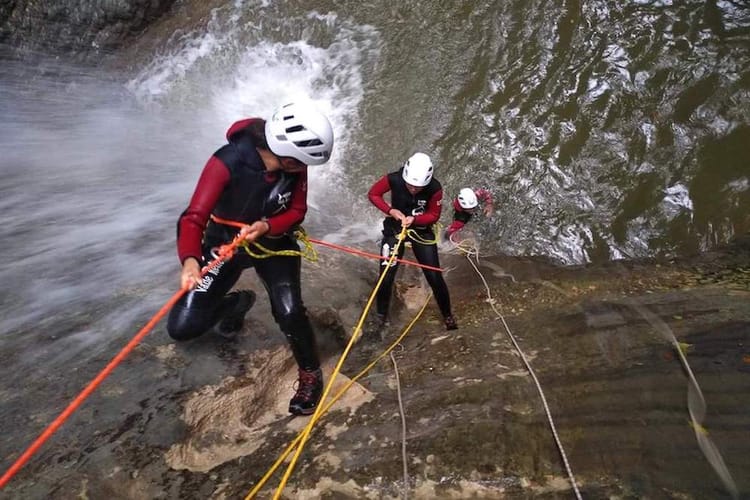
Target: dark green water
<point>606,130</point>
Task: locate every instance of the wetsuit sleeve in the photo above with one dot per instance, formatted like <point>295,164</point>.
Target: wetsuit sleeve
<point>485,197</point>
<point>460,218</point>
<point>295,214</point>
<point>193,220</point>
<point>432,212</point>
<point>455,226</point>
<point>376,194</point>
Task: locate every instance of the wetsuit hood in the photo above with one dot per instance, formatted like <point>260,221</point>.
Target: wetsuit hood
<point>241,125</point>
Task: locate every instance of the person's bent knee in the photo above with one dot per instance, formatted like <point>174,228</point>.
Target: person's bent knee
<point>184,333</point>
<point>290,319</point>
<point>184,325</point>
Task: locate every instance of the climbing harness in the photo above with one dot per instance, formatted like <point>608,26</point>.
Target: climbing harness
<point>308,253</point>
<point>413,235</point>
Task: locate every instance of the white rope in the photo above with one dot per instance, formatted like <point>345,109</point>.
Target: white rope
<point>403,427</point>
<point>696,401</point>
<point>475,252</point>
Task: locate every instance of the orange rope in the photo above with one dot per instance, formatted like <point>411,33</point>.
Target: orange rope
<point>225,253</point>
<point>339,247</point>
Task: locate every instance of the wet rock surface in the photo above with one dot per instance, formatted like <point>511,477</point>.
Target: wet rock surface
<point>207,419</point>
<point>82,28</point>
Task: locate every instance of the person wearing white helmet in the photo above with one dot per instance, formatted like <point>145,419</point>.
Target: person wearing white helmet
<point>415,202</point>
<point>465,205</point>
<point>259,178</point>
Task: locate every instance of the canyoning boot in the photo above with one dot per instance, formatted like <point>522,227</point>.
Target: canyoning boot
<point>450,323</point>
<point>232,322</point>
<point>309,390</point>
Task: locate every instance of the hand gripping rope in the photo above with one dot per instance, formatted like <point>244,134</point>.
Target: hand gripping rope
<point>222,254</point>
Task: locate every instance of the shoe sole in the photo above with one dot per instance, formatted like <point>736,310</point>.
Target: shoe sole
<point>300,412</point>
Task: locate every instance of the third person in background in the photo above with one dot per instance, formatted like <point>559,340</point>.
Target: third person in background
<point>465,206</point>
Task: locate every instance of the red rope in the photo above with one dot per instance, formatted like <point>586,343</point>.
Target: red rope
<point>73,406</point>
<point>339,247</point>
<point>372,255</point>
<point>225,253</point>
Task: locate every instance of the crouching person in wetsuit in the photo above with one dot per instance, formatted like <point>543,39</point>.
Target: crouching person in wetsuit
<point>260,179</point>
<point>416,203</point>
<point>465,206</point>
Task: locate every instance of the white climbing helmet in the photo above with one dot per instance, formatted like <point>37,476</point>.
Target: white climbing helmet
<point>467,199</point>
<point>301,131</point>
<point>418,170</point>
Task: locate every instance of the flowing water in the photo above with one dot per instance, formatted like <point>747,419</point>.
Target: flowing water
<point>605,130</point>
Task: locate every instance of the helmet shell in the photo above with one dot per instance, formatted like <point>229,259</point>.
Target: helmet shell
<point>467,198</point>
<point>418,170</point>
<point>301,131</point>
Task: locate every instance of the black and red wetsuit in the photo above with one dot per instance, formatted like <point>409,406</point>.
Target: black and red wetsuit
<point>461,216</point>
<point>235,185</point>
<point>425,207</point>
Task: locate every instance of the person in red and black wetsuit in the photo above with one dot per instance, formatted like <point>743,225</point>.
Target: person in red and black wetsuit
<point>465,206</point>
<point>416,203</point>
<point>260,179</point>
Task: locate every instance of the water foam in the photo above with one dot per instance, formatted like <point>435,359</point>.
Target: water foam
<point>96,174</point>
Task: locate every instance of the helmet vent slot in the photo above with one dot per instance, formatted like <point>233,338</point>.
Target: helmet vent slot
<point>311,142</point>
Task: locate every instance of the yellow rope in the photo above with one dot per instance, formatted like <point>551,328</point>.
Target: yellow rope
<point>338,396</point>
<point>355,335</point>
<point>415,237</point>
<point>308,253</point>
